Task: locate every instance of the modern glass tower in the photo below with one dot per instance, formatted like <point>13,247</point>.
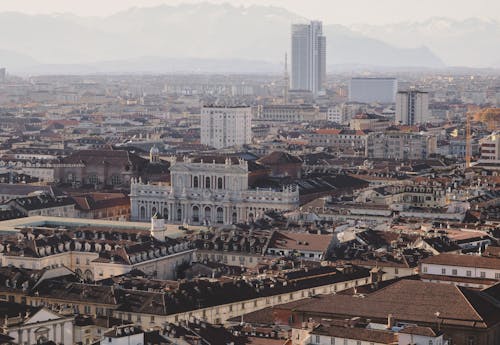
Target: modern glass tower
<point>308,57</point>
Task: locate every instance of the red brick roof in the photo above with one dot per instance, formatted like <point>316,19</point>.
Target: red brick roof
<point>461,260</point>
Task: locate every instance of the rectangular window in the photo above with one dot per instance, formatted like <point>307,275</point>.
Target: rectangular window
<point>443,270</point>
<point>424,269</point>
<point>469,273</point>
<point>396,270</point>
<point>483,274</point>
<point>454,272</point>
<point>332,341</point>
<point>316,339</point>
<point>497,275</point>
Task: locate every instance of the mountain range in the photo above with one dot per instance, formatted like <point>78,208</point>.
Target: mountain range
<point>471,42</point>
<point>208,37</point>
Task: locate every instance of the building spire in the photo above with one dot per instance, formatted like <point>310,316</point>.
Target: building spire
<point>287,81</point>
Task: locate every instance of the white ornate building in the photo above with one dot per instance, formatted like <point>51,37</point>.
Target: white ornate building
<point>210,192</point>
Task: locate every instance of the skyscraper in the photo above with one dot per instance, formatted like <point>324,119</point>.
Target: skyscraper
<point>308,57</point>
<point>412,107</point>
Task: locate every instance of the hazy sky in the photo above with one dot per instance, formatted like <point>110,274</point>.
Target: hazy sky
<point>330,11</point>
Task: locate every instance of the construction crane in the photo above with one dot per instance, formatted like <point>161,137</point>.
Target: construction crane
<point>468,140</point>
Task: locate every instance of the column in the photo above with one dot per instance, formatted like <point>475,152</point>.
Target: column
<point>57,337</point>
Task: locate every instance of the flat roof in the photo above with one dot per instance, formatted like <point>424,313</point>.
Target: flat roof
<point>14,225</point>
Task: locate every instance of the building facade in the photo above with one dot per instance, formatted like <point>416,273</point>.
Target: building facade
<point>412,107</point>
<point>490,148</point>
<point>289,113</point>
<point>208,192</point>
<point>400,145</point>
<point>224,126</point>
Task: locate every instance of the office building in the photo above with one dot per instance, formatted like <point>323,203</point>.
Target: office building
<point>308,57</point>
<point>412,107</point>
<point>373,90</point>
<point>226,126</point>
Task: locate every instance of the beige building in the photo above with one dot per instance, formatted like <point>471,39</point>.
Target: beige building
<point>400,145</point>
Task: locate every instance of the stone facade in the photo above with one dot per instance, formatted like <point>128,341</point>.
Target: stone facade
<point>208,193</point>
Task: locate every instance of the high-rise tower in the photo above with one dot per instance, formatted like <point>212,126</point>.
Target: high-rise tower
<point>308,57</point>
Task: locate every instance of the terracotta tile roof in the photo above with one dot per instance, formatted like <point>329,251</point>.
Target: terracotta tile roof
<point>456,305</point>
<point>419,330</point>
<point>279,157</point>
<point>300,241</point>
<point>357,333</point>
<point>461,260</point>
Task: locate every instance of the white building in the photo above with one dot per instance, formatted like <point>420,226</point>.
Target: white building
<point>308,57</point>
<point>373,334</point>
<point>412,107</point>
<point>460,269</point>
<point>373,90</point>
<point>30,325</point>
<point>208,190</point>
<point>225,126</point>
<point>490,148</point>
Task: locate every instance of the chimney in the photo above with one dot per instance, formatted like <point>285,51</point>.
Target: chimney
<point>390,321</point>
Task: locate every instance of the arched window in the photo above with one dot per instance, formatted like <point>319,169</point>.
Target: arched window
<point>179,215</point>
<point>220,183</point>
<point>195,182</point>
<point>196,214</point>
<point>88,276</point>
<point>208,214</point>
<point>165,213</point>
<point>207,182</point>
<point>250,217</point>
<point>234,218</point>
<point>220,215</point>
<point>153,211</point>
<point>143,213</point>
